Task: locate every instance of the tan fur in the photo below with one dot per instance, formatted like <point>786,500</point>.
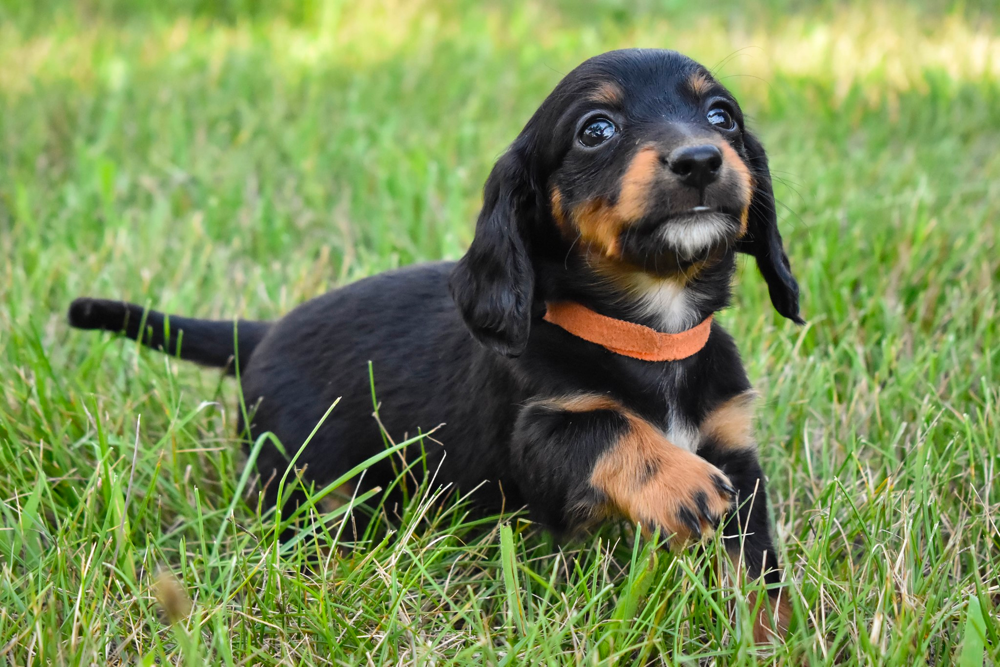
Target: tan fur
<point>171,597</point>
<point>583,403</point>
<point>636,282</point>
<point>771,621</point>
<point>740,171</point>
<point>599,227</point>
<point>655,502</point>
<point>600,224</point>
<point>336,499</point>
<point>555,199</point>
<point>638,178</point>
<point>607,93</point>
<point>731,424</point>
<point>699,83</point>
<point>631,280</point>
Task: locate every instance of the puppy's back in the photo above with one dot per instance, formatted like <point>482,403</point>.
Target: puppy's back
<point>427,371</point>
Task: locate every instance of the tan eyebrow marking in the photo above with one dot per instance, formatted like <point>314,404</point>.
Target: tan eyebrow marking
<point>700,83</point>
<point>607,93</point>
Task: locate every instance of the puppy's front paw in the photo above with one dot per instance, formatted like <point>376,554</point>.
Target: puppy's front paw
<point>680,493</point>
<point>693,496</point>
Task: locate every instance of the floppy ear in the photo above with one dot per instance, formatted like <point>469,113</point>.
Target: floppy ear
<point>762,239</point>
<point>494,283</point>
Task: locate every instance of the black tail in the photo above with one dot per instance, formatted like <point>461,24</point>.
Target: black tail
<point>206,342</point>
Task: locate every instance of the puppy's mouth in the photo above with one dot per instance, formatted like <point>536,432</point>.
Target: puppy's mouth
<point>693,233</point>
<point>680,239</point>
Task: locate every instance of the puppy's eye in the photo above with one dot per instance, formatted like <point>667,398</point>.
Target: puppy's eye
<point>721,118</point>
<point>596,132</point>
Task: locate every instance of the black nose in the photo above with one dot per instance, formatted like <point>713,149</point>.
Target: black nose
<point>697,166</point>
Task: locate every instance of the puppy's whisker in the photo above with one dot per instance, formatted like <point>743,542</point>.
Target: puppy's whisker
<point>570,250</point>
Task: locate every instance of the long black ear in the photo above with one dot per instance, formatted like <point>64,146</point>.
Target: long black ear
<point>494,283</point>
<point>763,240</point>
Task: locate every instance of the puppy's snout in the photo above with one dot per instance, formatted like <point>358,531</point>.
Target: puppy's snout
<point>697,166</point>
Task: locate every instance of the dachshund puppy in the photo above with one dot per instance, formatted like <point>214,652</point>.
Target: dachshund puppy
<point>571,353</point>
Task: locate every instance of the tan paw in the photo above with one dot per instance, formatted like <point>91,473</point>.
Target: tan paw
<point>665,487</point>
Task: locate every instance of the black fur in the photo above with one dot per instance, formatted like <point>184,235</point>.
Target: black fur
<point>205,342</point>
<point>491,389</point>
<point>553,454</point>
<point>493,284</point>
<point>749,529</point>
<point>763,240</point>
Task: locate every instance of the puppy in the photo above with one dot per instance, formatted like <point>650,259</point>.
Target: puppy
<point>571,353</point>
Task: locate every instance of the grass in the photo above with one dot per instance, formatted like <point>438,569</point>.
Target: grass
<point>232,158</point>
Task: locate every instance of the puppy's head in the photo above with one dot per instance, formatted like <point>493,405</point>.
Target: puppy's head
<point>640,161</point>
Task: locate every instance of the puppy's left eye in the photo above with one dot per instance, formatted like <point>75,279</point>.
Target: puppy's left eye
<point>721,118</point>
<point>596,132</point>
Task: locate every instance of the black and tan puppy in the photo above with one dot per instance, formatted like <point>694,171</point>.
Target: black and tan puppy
<point>570,353</point>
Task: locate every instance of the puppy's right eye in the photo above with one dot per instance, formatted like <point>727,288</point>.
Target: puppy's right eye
<point>596,132</point>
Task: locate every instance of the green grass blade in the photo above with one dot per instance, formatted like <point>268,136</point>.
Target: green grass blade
<point>512,588</point>
<point>974,635</point>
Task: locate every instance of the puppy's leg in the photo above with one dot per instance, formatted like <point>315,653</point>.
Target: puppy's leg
<point>586,457</point>
<point>727,441</point>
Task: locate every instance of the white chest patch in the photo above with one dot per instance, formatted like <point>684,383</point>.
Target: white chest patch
<point>684,435</point>
<point>668,302</point>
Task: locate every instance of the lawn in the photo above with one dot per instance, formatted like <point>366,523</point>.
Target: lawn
<point>237,158</point>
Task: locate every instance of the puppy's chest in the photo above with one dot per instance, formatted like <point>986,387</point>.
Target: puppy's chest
<point>667,402</point>
<point>667,407</point>
<point>678,427</point>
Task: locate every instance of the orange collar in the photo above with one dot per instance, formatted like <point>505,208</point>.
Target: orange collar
<point>626,338</point>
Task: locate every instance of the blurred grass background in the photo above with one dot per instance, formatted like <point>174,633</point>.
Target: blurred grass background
<point>235,158</point>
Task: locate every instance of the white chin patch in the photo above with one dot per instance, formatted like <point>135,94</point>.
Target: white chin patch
<point>692,235</point>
